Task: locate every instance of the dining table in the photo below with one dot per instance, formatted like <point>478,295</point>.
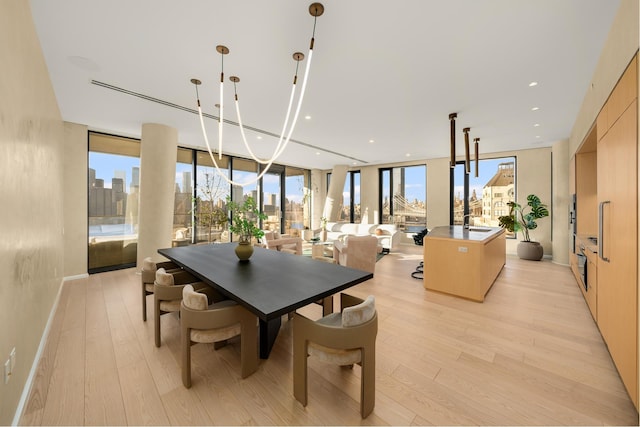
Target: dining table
<point>269,284</point>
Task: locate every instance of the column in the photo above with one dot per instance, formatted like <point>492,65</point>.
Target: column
<point>334,192</point>
<point>158,156</point>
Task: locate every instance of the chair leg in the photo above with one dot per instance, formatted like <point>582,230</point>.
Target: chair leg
<point>248,344</point>
<point>144,304</point>
<point>327,306</point>
<point>186,356</point>
<point>156,321</point>
<point>300,369</point>
<point>368,382</point>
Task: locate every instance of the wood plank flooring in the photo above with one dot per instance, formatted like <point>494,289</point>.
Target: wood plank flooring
<point>529,355</point>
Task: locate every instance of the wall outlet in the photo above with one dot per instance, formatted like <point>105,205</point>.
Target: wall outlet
<point>12,357</point>
<point>7,371</point>
<point>463,249</point>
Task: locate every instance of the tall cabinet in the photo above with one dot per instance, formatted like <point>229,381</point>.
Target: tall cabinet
<point>617,197</point>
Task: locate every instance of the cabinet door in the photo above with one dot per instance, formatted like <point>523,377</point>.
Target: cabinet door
<point>617,262</point>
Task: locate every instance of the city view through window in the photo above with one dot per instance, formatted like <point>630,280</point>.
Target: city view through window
<point>488,194</point>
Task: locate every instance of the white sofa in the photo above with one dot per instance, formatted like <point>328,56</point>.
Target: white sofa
<point>387,234</point>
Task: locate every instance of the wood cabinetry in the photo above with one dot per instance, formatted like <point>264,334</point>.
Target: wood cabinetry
<point>617,196</point>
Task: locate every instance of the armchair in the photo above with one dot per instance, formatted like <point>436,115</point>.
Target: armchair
<point>359,252</point>
<point>341,338</point>
<point>148,276</point>
<point>167,294</point>
<point>216,323</point>
<point>282,243</point>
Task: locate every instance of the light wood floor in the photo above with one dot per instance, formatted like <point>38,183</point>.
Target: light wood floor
<point>530,354</point>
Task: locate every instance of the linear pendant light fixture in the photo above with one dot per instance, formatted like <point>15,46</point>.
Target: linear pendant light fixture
<point>315,9</point>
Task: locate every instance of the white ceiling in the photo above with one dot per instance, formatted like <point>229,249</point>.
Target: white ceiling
<point>384,71</point>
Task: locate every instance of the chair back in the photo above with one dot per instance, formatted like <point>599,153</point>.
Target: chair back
<point>361,253</point>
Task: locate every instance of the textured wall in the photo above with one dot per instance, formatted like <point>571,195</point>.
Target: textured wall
<point>75,198</point>
<point>561,201</point>
<point>31,253</point>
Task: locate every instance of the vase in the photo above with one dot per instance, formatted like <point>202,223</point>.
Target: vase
<point>530,250</point>
<point>244,250</point>
<point>323,235</point>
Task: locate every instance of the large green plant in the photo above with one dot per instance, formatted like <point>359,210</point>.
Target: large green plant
<point>244,219</point>
<point>523,218</point>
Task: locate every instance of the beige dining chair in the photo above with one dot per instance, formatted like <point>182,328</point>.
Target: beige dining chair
<point>342,339</point>
<point>216,323</point>
<point>148,276</point>
<point>167,294</point>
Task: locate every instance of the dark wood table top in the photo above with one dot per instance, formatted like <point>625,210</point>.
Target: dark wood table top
<point>271,283</point>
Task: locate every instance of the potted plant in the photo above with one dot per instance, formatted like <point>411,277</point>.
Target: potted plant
<point>244,222</point>
<point>523,218</point>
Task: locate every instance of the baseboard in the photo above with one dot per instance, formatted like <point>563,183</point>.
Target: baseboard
<point>76,277</point>
<point>36,360</point>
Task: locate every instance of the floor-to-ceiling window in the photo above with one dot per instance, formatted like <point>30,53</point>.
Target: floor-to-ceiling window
<point>484,198</point>
<point>350,203</point>
<point>272,198</point>
<point>297,200</point>
<point>113,183</point>
<point>211,191</point>
<point>183,212</point>
<point>403,197</point>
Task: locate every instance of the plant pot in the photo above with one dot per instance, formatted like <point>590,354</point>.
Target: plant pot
<point>532,251</point>
<point>244,250</point>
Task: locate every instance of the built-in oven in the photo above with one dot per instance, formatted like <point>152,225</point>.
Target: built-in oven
<point>582,266</point>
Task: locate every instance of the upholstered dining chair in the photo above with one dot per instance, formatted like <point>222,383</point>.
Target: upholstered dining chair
<point>216,323</point>
<point>359,252</point>
<point>148,276</point>
<point>167,294</point>
<point>343,339</point>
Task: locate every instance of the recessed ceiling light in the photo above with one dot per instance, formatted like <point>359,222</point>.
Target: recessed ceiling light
<point>307,117</point>
<point>371,141</point>
<point>532,84</point>
<point>259,136</point>
<point>538,136</point>
<point>536,125</point>
<point>408,155</point>
<point>354,163</point>
<point>535,108</point>
<point>317,153</point>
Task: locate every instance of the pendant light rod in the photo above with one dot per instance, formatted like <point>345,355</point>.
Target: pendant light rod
<point>452,120</point>
<point>476,141</point>
<point>467,158</point>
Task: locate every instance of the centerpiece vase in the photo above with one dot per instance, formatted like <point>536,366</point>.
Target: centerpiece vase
<point>244,250</point>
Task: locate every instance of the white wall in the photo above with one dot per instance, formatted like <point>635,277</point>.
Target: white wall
<point>31,177</point>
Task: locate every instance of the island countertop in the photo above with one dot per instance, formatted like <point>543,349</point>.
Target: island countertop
<point>474,234</point>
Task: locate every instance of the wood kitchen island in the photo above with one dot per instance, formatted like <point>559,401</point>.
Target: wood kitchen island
<point>463,262</point>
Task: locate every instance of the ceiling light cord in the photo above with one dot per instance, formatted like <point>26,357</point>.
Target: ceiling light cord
<point>316,9</point>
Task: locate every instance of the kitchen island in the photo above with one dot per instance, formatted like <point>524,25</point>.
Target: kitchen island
<point>463,262</point>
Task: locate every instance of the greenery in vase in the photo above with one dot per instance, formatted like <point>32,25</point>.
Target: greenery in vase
<point>523,218</point>
<point>245,219</point>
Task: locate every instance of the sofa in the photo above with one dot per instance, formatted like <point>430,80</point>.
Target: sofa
<point>387,234</point>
